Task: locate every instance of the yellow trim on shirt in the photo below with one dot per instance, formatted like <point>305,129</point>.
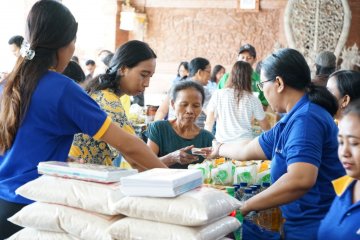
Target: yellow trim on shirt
<point>341,184</point>
<point>103,129</point>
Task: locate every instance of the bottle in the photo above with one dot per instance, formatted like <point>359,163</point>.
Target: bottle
<point>264,186</point>
<point>247,195</point>
<point>240,192</point>
<point>265,216</point>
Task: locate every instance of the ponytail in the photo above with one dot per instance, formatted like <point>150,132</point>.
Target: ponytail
<point>321,96</point>
<point>110,80</point>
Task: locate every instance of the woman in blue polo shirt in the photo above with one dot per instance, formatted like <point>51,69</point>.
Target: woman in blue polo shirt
<point>302,146</point>
<point>41,110</point>
<point>343,218</point>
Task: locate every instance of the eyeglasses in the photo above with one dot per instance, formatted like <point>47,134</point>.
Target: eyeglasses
<point>260,85</point>
<point>206,70</point>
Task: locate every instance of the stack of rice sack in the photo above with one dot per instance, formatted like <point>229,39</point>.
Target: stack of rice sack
<point>75,209</point>
<point>201,214</point>
<point>67,209</point>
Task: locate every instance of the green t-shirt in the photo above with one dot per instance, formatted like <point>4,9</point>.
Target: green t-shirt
<point>255,78</point>
<point>162,133</point>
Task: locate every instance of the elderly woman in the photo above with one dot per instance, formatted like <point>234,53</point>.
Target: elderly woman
<point>172,140</point>
<point>302,146</point>
<point>345,86</point>
<point>199,70</point>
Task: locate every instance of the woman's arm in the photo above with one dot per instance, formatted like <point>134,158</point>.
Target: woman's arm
<point>299,179</point>
<point>244,150</point>
<point>163,110</point>
<point>132,147</point>
<point>179,156</point>
<point>210,119</point>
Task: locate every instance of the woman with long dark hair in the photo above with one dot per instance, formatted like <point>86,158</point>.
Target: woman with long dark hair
<point>234,107</point>
<point>41,109</point>
<point>129,73</point>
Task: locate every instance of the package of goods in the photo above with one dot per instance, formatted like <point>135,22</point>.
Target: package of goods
<point>161,182</point>
<point>245,174</point>
<point>223,174</point>
<point>88,172</point>
<point>263,174</point>
<point>128,228</point>
<point>205,168</point>
<point>194,208</point>
<point>33,234</point>
<point>91,196</point>
<point>63,219</point>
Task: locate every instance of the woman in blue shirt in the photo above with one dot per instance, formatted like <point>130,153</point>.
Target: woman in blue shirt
<point>41,109</point>
<point>343,218</point>
<point>302,146</point>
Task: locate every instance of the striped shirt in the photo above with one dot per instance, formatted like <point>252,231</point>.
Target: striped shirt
<point>233,118</point>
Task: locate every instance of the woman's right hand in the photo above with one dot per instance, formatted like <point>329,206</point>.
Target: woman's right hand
<point>181,156</point>
<point>212,152</point>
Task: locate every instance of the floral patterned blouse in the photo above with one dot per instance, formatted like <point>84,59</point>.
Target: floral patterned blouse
<point>99,152</point>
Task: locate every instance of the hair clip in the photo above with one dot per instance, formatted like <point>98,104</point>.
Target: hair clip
<point>25,51</point>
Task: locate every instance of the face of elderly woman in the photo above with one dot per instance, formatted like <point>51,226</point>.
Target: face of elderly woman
<point>187,105</point>
<point>349,145</point>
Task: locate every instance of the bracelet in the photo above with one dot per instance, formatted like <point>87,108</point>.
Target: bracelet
<point>218,150</point>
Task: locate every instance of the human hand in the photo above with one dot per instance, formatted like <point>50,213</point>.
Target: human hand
<point>181,156</point>
<point>74,159</point>
<point>211,152</point>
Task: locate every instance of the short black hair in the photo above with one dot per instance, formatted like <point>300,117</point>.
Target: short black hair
<point>17,40</point>
<point>90,62</point>
<point>185,85</point>
<point>74,71</point>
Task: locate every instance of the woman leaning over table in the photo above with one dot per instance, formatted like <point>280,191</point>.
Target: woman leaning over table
<point>41,109</point>
<point>129,72</point>
<point>343,218</point>
<point>302,146</point>
<point>172,140</point>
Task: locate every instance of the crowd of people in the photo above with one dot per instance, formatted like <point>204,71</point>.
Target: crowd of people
<point>48,99</point>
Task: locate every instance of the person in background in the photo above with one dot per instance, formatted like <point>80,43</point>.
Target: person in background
<point>39,119</point>
<point>15,44</point>
<point>247,53</point>
<point>182,72</point>
<point>75,59</point>
<point>216,75</point>
<point>302,146</point>
<point>74,71</point>
<point>343,219</point>
<point>172,140</point>
<point>200,70</point>
<point>234,107</point>
<point>90,69</point>
<point>129,73</point>
<point>325,65</point>
<point>345,86</point>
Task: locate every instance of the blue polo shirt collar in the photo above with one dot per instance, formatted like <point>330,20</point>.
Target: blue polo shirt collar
<point>346,199</point>
<point>298,105</point>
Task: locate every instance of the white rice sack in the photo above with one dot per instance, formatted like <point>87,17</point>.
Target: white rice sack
<point>132,228</point>
<point>33,234</point>
<point>63,219</point>
<point>96,197</point>
<point>246,174</point>
<point>194,208</point>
